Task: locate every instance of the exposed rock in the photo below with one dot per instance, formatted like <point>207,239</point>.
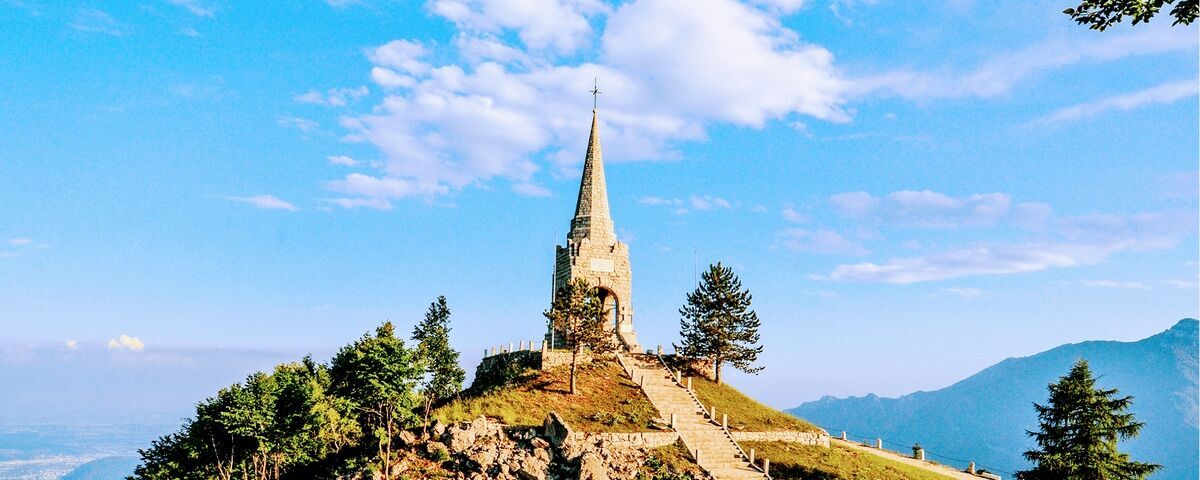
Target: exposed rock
<point>406,438</point>
<point>591,467</point>
<point>539,443</point>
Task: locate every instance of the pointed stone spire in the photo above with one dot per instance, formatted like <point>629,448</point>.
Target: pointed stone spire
<point>591,210</point>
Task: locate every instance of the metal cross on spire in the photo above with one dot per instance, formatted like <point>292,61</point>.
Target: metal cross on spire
<point>595,92</point>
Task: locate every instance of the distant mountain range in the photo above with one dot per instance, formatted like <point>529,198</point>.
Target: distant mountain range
<point>984,417</point>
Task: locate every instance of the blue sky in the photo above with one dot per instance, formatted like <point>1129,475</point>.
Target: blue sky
<point>912,192</point>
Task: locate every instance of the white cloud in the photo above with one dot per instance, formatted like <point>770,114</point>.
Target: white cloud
<point>126,342</point>
<point>692,203</point>
<point>964,292</point>
<point>266,202</point>
<point>20,241</point>
<point>557,25</point>
<point>1180,284</point>
<point>198,8</point>
<point>924,208</point>
<point>1158,95</point>
<point>92,20</point>
<point>71,344</point>
<point>342,160</point>
<point>708,202</point>
<point>334,97</point>
<point>1087,240</point>
<point>377,193</point>
<point>790,214</point>
<point>820,241</point>
<point>531,190</point>
<point>781,6</point>
<point>303,124</point>
<point>998,75</point>
<point>507,111</point>
<point>1115,284</point>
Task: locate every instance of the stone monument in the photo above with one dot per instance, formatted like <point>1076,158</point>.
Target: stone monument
<point>592,251</point>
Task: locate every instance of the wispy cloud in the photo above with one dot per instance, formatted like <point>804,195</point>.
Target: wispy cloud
<point>20,241</point>
<point>1158,95</point>
<point>93,20</point>
<point>334,97</point>
<point>1085,240</point>
<point>266,202</point>
<point>924,208</point>
<point>199,8</point>
<point>1000,74</point>
<point>342,160</point>
<point>820,241</point>
<point>964,292</point>
<point>302,124</point>
<point>1115,284</point>
<point>682,206</point>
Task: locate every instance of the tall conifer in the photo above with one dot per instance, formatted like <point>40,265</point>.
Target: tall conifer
<point>1079,430</point>
<point>579,313</point>
<point>443,377</point>
<point>718,323</point>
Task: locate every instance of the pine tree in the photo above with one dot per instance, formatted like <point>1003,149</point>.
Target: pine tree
<point>718,323</point>
<point>1079,431</point>
<point>443,377</point>
<point>579,313</point>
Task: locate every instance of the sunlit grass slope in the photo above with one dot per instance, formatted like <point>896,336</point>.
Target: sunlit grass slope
<point>744,412</point>
<point>607,401</point>
<point>792,461</point>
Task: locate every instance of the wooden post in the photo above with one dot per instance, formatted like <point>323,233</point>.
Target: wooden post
<point>689,384</point>
<point>767,467</point>
<point>672,421</point>
<point>485,353</point>
<point>843,434</point>
<point>545,345</point>
<point>752,456</point>
<point>712,413</point>
<point>510,345</point>
<point>678,377</point>
<point>971,468</point>
<point>879,443</point>
<point>660,350</point>
<point>697,456</point>
<point>725,421</point>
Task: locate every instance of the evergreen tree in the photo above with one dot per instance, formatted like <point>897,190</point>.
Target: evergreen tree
<point>579,314</point>
<point>443,377</point>
<point>1079,431</point>
<point>379,375</point>
<point>718,323</point>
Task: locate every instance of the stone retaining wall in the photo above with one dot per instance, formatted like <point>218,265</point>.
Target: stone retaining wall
<point>638,439</point>
<point>802,438</point>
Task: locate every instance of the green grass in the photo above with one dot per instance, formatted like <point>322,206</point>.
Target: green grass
<point>607,401</point>
<point>744,412</point>
<point>672,462</point>
<point>793,461</point>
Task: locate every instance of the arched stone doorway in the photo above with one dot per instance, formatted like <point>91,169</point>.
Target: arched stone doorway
<point>613,305</point>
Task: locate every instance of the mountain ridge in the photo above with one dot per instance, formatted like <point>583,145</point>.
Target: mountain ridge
<point>984,417</point>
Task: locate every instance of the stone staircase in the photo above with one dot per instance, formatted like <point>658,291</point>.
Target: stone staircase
<point>715,449</point>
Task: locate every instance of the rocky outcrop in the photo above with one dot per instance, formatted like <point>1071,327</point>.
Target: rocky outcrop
<point>482,449</point>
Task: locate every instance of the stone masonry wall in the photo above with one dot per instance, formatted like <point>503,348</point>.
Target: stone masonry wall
<point>802,438</point>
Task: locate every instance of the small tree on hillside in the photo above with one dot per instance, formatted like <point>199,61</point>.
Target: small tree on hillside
<point>443,377</point>
<point>718,323</point>
<point>1079,431</point>
<point>579,314</point>
<point>379,375</point>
